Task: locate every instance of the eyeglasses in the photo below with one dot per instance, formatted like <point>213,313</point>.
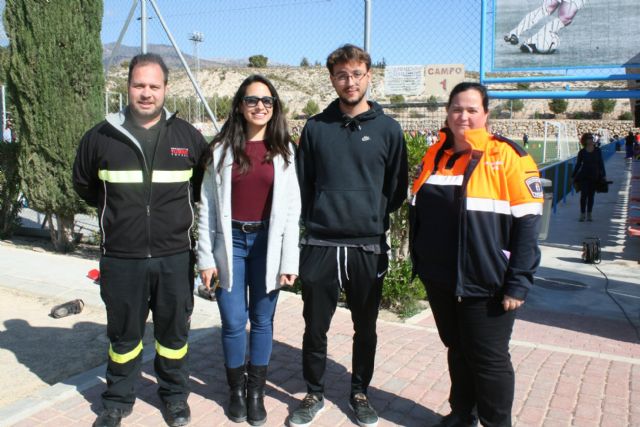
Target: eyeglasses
<point>252,101</point>
<point>344,77</point>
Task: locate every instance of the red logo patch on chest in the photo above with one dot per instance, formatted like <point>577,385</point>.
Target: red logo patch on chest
<point>179,152</point>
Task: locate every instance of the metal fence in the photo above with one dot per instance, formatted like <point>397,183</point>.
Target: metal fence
<point>286,31</point>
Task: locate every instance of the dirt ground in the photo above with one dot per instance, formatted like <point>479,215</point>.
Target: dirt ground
<point>73,344</point>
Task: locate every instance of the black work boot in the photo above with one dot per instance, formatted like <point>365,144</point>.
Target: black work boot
<point>110,417</point>
<point>237,410</point>
<point>178,413</point>
<point>256,378</point>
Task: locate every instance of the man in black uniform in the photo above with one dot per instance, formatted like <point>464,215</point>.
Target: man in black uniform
<point>139,167</point>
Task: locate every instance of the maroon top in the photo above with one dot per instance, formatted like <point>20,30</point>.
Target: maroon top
<point>251,192</point>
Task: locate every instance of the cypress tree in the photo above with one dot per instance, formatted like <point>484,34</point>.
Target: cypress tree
<point>56,81</point>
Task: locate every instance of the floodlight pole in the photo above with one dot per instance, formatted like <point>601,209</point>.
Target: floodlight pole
<point>134,5</point>
<point>367,25</point>
<point>184,63</point>
<point>197,37</point>
<point>143,26</point>
<point>367,33</point>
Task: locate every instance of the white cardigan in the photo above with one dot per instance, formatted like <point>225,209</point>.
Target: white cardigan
<point>215,246</point>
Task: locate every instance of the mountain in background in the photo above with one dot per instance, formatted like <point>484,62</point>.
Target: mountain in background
<point>168,53</point>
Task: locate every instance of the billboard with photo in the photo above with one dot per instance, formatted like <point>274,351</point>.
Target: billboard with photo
<point>562,34</point>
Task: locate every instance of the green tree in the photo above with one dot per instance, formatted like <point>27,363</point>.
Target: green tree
<point>558,106</point>
<point>432,103</point>
<point>523,86</point>
<point>221,106</point>
<point>396,99</point>
<point>626,116</point>
<point>311,108</point>
<point>304,62</point>
<point>603,106</point>
<point>56,81</point>
<point>516,105</point>
<point>258,61</point>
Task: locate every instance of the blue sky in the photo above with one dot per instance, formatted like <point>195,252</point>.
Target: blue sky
<point>402,31</point>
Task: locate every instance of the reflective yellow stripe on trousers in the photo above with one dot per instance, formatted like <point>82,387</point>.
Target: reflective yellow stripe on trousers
<point>125,357</point>
<point>170,353</point>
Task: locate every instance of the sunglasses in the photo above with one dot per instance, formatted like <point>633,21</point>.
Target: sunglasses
<point>252,101</point>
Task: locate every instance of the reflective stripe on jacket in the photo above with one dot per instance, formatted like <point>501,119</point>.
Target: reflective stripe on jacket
<point>142,212</point>
<point>476,215</point>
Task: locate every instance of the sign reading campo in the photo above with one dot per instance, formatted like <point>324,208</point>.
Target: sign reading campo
<point>419,80</point>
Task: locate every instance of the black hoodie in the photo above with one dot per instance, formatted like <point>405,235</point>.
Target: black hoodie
<point>353,174</point>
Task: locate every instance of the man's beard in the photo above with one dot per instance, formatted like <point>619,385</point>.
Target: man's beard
<point>352,103</point>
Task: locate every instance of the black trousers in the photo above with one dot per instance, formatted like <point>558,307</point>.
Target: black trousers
<point>323,271</point>
<point>129,289</point>
<point>476,332</point>
<point>587,195</point>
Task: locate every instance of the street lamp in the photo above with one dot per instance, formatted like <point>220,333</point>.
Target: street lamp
<point>197,37</point>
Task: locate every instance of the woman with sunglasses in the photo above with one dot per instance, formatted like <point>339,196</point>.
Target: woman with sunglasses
<point>248,235</point>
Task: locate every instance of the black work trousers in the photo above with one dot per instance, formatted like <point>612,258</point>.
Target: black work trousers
<point>476,332</point>
<point>129,289</point>
<point>324,270</point>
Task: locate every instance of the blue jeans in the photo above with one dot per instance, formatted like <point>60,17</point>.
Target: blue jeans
<point>247,300</point>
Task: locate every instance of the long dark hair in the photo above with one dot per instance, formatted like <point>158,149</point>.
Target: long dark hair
<point>233,133</point>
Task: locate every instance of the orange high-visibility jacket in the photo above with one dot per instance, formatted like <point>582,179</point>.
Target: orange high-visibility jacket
<point>475,217</point>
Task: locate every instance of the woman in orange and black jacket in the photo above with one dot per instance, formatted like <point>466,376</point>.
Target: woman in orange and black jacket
<point>476,208</point>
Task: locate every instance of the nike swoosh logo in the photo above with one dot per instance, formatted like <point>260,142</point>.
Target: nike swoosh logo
<point>381,274</point>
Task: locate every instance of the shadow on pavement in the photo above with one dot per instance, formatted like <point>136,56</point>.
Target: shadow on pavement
<point>590,304</point>
<point>284,382</point>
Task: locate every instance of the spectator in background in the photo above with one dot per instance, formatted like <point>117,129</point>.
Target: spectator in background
<point>248,236</point>
<point>7,132</point>
<point>589,170</point>
<point>629,140</point>
<point>525,140</point>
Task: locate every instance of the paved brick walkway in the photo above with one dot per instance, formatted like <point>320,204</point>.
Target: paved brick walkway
<point>577,357</point>
<point>563,378</point>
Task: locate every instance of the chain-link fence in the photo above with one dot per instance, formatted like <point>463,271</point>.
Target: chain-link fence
<point>218,38</point>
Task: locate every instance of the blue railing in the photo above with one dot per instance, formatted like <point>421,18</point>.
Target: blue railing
<point>560,173</point>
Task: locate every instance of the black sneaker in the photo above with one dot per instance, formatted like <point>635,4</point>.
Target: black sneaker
<point>365,414</point>
<point>310,406</point>
<point>528,48</point>
<point>512,39</point>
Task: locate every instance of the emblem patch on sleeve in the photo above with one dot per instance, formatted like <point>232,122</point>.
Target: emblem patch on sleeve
<point>535,187</point>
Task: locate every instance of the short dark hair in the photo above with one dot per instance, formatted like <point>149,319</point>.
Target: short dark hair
<point>465,86</point>
<point>145,59</point>
<point>347,53</point>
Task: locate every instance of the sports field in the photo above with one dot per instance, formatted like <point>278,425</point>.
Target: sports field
<point>535,149</point>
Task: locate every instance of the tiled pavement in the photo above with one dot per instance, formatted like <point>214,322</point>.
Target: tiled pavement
<point>577,357</point>
<point>556,385</point>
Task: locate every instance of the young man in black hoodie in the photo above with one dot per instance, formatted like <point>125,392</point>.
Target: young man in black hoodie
<point>352,168</point>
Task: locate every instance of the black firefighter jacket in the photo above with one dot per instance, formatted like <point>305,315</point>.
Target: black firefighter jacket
<point>142,213</point>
